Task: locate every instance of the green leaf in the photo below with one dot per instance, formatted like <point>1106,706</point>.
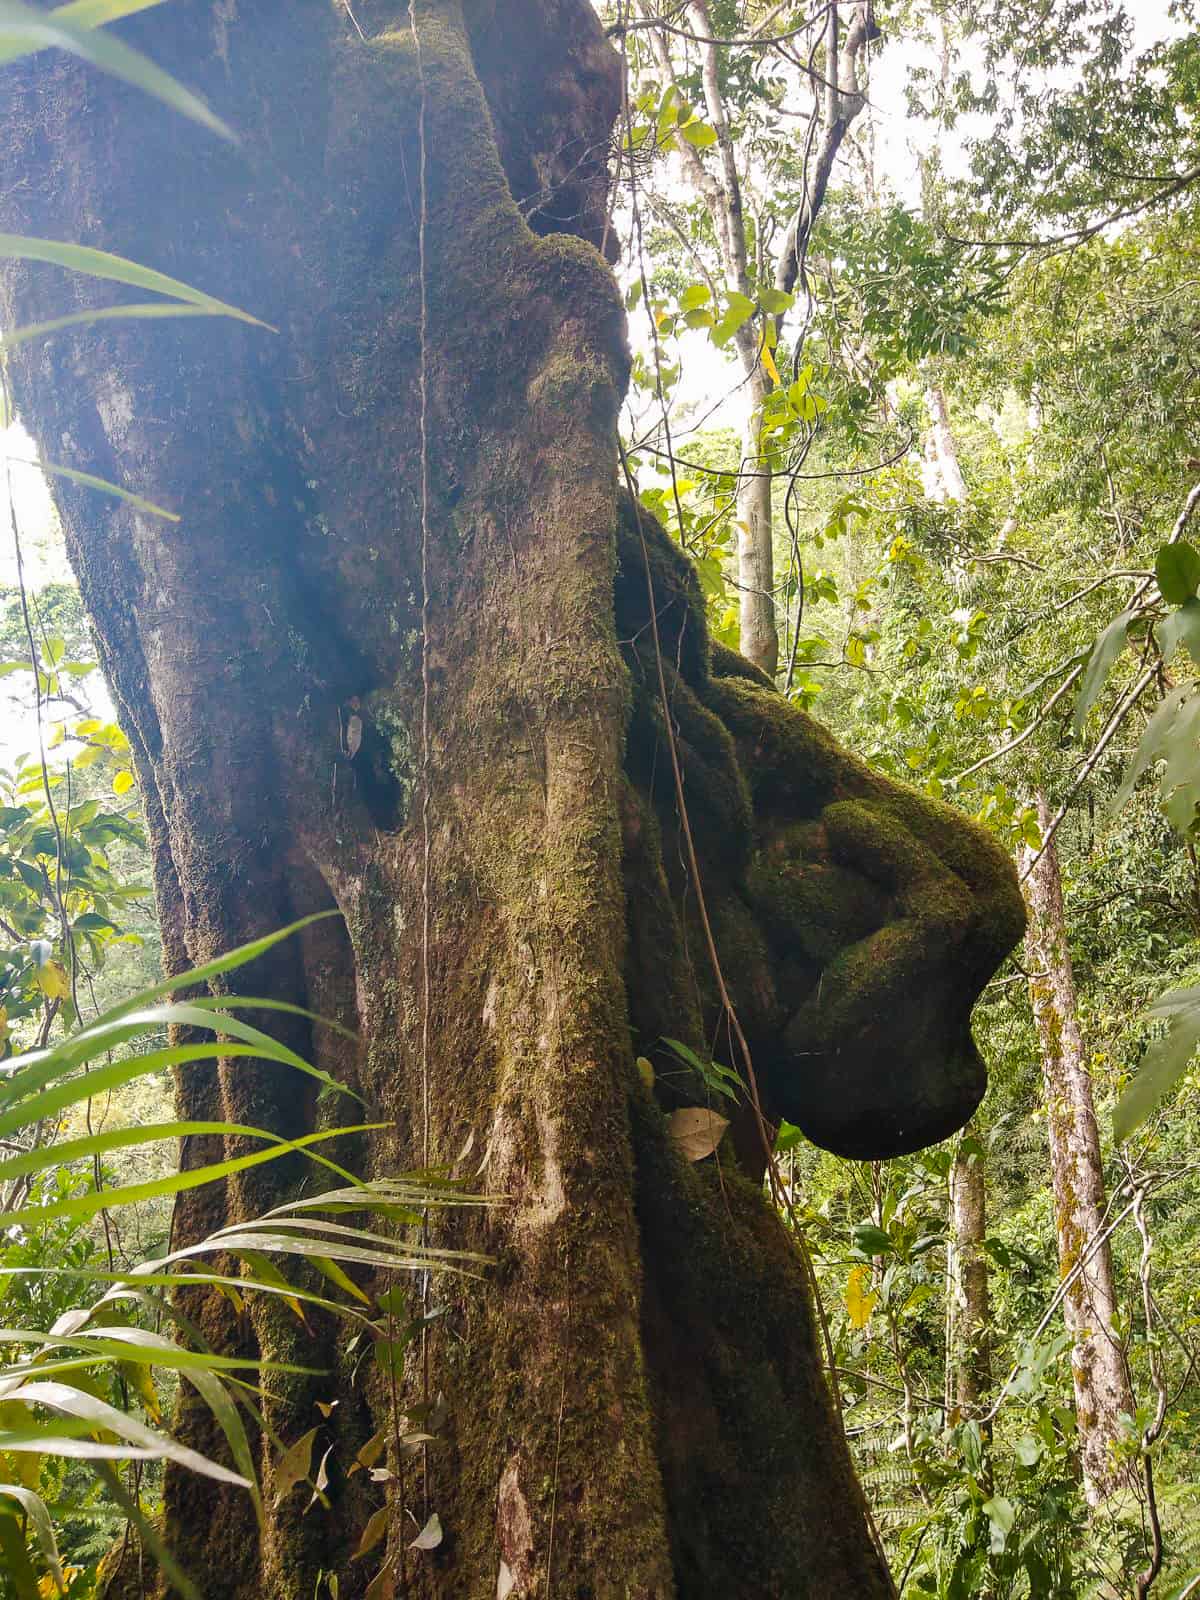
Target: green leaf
<point>87,1205</point>
<point>1163,1064</point>
<point>1029,1450</point>
<point>293,1465</point>
<point>329,1268</point>
<point>240,957</point>
<point>1181,627</point>
<point>35,1510</point>
<point>23,31</point>
<point>1001,1515</point>
<point>151,311</point>
<point>699,134</point>
<point>16,1560</point>
<point>375,1530</point>
<point>776,301</point>
<point>89,481</point>
<point>116,269</point>
<point>99,1415</point>
<point>148,1533</point>
<point>1105,651</point>
<point>1177,568</point>
<point>872,1241</point>
<point>695,295</point>
<point>1150,746</point>
<point>95,13</point>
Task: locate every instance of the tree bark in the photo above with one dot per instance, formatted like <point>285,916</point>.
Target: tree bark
<point>1098,1370</point>
<point>407,498</point>
<point>944,479</point>
<point>968,1345</point>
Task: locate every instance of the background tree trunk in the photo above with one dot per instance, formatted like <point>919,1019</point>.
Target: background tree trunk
<point>968,1345</point>
<point>1098,1368</point>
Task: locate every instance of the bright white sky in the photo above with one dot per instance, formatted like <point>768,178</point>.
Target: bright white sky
<point>710,377</point>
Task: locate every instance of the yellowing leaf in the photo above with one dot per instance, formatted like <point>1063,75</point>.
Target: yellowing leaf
<point>370,1452</point>
<point>374,1531</point>
<point>860,1301</point>
<point>697,1131</point>
<point>141,1382</point>
<point>644,1066</point>
<point>53,981</point>
<point>768,361</point>
<point>330,1269</point>
<point>123,781</point>
<point>292,1466</point>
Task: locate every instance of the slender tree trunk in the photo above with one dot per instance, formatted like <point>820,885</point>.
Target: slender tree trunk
<point>758,635</point>
<point>968,1345</point>
<point>841,101</point>
<point>941,452</point>
<point>1098,1369</point>
<point>407,498</point>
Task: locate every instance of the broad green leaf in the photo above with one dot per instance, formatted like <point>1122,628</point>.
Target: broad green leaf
<point>1107,648</point>
<point>1177,568</point>
<point>375,1530</point>
<point>1164,1063</point>
<point>293,1465</point>
<point>694,296</point>
<point>1029,1450</point>
<point>699,134</point>
<point>35,1510</point>
<point>1001,1515</point>
<point>872,1241</point>
<point>776,301</point>
<point>23,31</point>
<point>1150,746</point>
<point>1181,627</point>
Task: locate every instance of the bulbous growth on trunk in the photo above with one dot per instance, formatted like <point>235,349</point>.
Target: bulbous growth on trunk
<point>402,507</point>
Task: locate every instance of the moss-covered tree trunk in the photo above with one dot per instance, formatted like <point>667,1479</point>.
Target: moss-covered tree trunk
<point>402,507</point>
<point>1098,1369</point>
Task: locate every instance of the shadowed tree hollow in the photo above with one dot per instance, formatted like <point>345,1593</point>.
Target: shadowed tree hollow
<point>396,659</point>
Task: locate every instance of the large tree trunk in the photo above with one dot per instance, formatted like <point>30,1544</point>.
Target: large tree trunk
<point>404,505</point>
<point>1098,1367</point>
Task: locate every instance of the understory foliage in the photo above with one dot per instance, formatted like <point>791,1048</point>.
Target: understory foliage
<point>982,424</point>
